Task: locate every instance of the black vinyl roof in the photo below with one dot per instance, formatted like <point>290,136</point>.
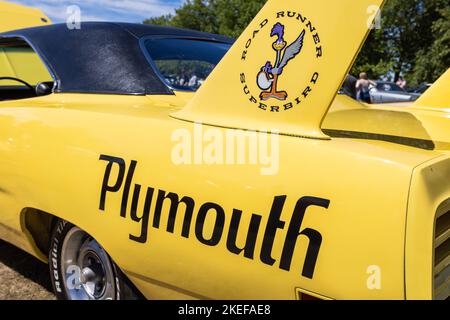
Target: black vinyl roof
<point>101,57</point>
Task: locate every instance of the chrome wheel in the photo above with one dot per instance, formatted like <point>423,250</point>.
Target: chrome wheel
<point>86,268</point>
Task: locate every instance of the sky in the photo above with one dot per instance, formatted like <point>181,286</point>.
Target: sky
<point>104,10</point>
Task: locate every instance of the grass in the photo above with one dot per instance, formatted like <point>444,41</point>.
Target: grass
<point>23,277</point>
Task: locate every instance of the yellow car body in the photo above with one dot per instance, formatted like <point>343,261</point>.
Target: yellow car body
<point>16,62</point>
<point>14,16</point>
<point>358,208</point>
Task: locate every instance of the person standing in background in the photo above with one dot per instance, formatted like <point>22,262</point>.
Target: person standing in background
<point>363,87</point>
<point>401,83</point>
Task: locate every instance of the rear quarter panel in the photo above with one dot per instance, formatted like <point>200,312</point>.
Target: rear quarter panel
<point>49,159</point>
<point>430,193</point>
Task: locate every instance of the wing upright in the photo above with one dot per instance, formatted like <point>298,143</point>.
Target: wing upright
<point>436,97</point>
<point>231,97</point>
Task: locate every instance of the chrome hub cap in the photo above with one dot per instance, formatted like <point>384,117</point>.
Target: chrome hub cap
<point>86,268</point>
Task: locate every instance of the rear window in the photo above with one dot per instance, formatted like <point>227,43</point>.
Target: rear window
<point>184,64</point>
<point>21,70</point>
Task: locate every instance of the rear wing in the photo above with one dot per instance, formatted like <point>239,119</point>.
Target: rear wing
<point>284,71</point>
<point>14,16</point>
<point>438,96</point>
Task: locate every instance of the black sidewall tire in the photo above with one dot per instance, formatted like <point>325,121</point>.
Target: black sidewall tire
<point>123,288</point>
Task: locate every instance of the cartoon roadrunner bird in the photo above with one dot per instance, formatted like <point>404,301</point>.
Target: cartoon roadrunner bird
<point>268,76</point>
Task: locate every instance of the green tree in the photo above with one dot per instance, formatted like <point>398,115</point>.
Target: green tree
<point>227,17</point>
<point>431,62</point>
<point>413,40</point>
<point>410,30</point>
<point>165,20</point>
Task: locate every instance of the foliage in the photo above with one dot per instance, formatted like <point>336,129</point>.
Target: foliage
<point>413,42</point>
<point>228,17</point>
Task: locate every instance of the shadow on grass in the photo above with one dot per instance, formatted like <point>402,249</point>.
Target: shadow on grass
<point>25,264</point>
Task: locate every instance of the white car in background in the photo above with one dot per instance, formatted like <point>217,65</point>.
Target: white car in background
<point>389,92</point>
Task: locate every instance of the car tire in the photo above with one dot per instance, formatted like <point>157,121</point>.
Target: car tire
<point>80,269</point>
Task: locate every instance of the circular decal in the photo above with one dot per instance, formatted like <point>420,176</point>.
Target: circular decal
<point>272,77</point>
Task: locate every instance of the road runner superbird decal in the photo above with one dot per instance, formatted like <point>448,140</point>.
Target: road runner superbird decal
<point>268,76</point>
<point>124,179</point>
